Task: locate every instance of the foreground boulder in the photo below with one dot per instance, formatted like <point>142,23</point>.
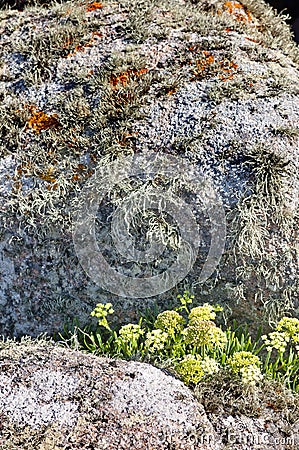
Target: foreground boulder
<point>55,398</point>
<point>83,84</point>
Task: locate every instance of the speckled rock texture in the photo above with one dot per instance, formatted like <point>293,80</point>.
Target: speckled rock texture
<point>82,84</point>
<point>57,398</point>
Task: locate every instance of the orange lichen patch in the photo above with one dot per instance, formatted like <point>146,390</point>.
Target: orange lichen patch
<point>23,170</point>
<point>81,172</point>
<point>79,48</point>
<point>40,121</point>
<point>90,73</point>
<point>228,68</point>
<point>171,91</point>
<point>67,43</point>
<point>124,77</point>
<point>251,40</point>
<point>96,33</point>
<point>207,66</point>
<point>126,139</point>
<point>48,175</point>
<point>52,187</point>
<point>205,62</point>
<point>82,47</point>
<point>94,6</point>
<point>239,11</point>
<point>93,157</point>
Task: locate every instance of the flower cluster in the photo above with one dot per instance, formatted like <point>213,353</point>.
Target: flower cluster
<point>209,366</point>
<point>192,369</point>
<point>287,331</point>
<point>243,359</point>
<point>130,332</point>
<point>169,321</point>
<point>198,333</point>
<point>185,300</point>
<point>278,340</point>
<point>155,340</point>
<point>204,332</point>
<point>204,312</point>
<point>217,337</point>
<point>251,375</point>
<point>247,365</point>
<point>101,311</point>
<point>295,339</point>
<point>290,326</point>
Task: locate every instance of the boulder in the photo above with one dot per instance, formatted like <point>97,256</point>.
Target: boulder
<point>56,398</point>
<point>209,89</point>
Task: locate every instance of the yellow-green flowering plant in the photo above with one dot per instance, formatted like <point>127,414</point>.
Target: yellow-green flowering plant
<point>282,346</point>
<point>192,369</point>
<point>247,365</point>
<point>204,312</point>
<point>128,341</point>
<point>170,322</point>
<point>185,299</point>
<point>243,359</point>
<point>209,365</point>
<point>287,332</point>
<point>156,341</point>
<point>200,333</point>
<point>189,338</point>
<point>203,335</point>
<point>251,375</point>
<point>101,311</point>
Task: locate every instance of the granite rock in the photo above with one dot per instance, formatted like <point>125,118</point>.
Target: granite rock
<point>212,83</point>
<point>57,398</point>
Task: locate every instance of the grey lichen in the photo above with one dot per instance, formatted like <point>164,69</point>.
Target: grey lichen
<point>82,85</point>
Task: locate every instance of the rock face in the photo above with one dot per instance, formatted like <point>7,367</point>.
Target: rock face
<point>56,398</point>
<point>82,85</point>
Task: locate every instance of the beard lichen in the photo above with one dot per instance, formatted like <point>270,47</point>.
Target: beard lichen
<point>263,220</point>
<point>80,115</point>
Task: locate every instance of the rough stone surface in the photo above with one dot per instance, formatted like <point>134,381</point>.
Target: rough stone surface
<point>81,85</point>
<point>57,398</point>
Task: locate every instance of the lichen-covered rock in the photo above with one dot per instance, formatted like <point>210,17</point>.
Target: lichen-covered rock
<point>82,84</point>
<point>55,398</point>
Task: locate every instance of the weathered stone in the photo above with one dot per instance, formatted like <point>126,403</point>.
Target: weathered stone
<point>81,85</point>
<point>55,398</point>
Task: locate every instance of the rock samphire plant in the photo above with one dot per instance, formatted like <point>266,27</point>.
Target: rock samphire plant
<point>191,345</point>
